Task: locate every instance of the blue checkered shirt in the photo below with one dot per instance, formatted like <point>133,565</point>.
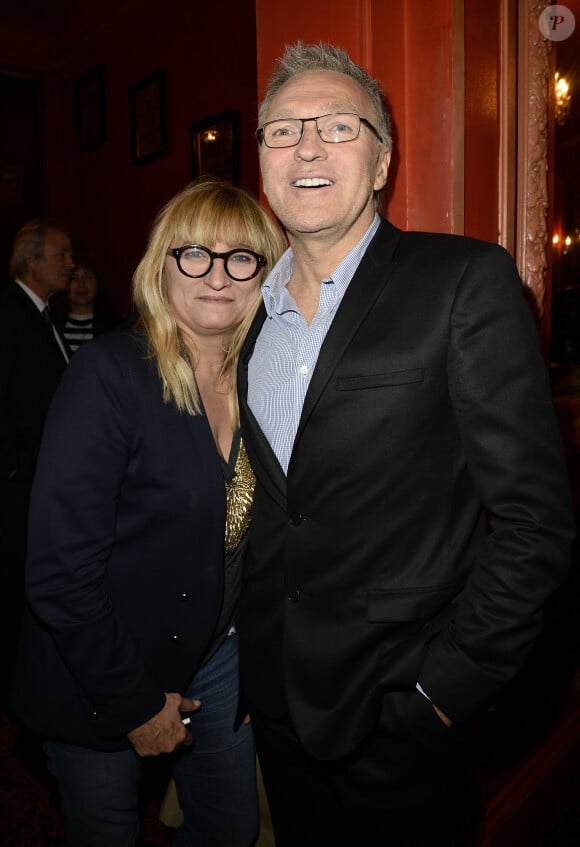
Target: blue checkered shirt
<point>287,347</point>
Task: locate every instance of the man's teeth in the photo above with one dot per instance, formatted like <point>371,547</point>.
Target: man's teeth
<point>314,182</point>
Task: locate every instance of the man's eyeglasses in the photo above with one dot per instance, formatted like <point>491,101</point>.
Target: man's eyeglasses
<point>333,129</point>
<point>195,261</point>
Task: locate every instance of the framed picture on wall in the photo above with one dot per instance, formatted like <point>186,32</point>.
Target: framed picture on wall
<point>214,147</point>
<point>148,118</point>
<point>90,107</point>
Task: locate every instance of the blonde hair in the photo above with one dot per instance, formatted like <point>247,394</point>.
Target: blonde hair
<point>205,212</point>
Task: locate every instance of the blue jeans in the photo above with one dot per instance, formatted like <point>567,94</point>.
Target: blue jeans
<point>215,778</point>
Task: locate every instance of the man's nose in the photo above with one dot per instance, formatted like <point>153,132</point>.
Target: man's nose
<point>311,144</point>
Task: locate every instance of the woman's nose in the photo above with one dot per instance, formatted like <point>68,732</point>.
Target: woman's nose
<point>217,276</point>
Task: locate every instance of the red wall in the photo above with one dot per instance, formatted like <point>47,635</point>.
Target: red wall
<point>21,179</point>
<point>208,53</point>
<point>438,63</point>
<point>413,56</point>
<point>218,56</point>
<point>482,72</point>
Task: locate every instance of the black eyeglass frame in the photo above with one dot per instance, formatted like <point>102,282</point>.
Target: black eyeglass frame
<point>176,252</point>
<point>262,140</point>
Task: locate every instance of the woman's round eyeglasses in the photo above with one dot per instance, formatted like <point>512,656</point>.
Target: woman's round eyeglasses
<point>194,260</point>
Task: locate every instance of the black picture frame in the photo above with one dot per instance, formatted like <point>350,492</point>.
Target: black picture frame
<point>214,147</point>
<point>90,108</point>
<point>148,118</point>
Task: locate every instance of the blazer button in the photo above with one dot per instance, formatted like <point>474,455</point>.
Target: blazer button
<point>296,519</point>
<point>175,637</point>
<point>94,715</point>
<point>294,596</point>
<point>184,596</point>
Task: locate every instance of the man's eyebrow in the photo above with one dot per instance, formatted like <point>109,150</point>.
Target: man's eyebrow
<point>327,109</point>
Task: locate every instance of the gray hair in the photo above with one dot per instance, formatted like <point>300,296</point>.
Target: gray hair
<point>29,243</point>
<point>300,57</point>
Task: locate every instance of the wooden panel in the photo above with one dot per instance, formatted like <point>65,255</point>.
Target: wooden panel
<point>482,47</point>
<point>413,56</point>
<point>336,21</point>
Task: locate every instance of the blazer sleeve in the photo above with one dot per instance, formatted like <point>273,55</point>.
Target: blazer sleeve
<point>501,398</point>
<point>88,443</point>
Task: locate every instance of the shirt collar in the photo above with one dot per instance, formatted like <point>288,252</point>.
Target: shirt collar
<point>276,297</point>
<point>38,301</point>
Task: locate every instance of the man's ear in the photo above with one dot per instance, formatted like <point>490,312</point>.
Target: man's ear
<point>382,169</point>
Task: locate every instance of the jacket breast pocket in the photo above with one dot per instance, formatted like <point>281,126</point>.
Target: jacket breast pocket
<point>382,380</point>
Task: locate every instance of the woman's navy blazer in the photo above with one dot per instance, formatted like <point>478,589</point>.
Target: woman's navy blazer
<point>125,552</point>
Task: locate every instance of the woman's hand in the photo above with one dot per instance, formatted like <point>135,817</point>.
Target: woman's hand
<point>164,732</point>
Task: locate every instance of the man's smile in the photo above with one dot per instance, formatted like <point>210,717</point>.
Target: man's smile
<point>311,182</point>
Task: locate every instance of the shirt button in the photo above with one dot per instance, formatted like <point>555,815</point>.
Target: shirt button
<point>184,596</point>
<point>303,370</point>
<point>175,637</point>
<point>294,596</point>
<point>296,519</point>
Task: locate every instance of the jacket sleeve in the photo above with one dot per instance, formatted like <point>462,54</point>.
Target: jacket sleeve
<point>89,440</point>
<point>501,398</point>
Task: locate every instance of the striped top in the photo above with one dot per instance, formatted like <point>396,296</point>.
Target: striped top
<point>77,330</point>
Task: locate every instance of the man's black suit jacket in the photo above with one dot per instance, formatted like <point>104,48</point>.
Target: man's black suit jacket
<point>31,365</point>
<point>370,568</point>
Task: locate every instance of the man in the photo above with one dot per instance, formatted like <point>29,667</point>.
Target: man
<point>32,360</point>
<point>391,393</point>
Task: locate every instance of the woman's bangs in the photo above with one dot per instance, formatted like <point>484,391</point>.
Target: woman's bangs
<point>212,221</point>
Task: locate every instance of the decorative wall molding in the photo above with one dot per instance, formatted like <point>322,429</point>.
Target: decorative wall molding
<point>532,183</point>
<point>507,101</point>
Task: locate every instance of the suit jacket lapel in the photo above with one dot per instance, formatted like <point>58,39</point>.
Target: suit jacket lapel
<point>367,284</point>
<point>39,317</point>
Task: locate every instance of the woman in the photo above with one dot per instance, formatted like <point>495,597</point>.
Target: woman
<point>84,317</point>
<point>131,620</point>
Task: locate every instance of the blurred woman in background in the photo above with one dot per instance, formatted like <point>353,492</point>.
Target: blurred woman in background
<point>83,315</point>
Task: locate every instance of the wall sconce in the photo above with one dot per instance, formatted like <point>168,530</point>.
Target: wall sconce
<point>563,99</point>
<point>566,243</point>
<point>210,136</point>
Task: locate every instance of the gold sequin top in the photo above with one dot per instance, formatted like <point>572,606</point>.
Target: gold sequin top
<point>239,493</point>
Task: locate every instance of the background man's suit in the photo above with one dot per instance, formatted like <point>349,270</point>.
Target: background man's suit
<point>31,365</point>
<point>369,567</point>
